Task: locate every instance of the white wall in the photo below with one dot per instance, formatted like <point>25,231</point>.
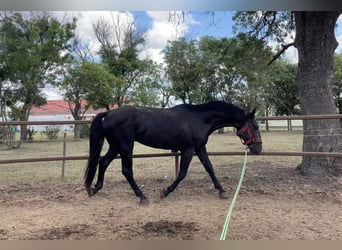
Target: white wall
<point>68,127</point>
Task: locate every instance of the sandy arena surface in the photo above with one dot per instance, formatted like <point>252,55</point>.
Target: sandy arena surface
<point>275,202</point>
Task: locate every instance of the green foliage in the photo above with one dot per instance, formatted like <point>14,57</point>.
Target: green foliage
<point>183,69</point>
<point>265,24</point>
<point>148,86</point>
<point>3,132</point>
<point>134,79</point>
<point>33,45</point>
<point>52,131</point>
<point>246,70</point>
<point>315,42</point>
<point>282,90</point>
<point>85,131</point>
<point>208,69</point>
<point>31,132</point>
<point>337,82</point>
<point>96,84</point>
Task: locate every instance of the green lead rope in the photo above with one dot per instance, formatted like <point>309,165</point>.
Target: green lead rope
<point>230,211</point>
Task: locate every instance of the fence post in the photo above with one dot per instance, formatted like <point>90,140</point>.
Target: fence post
<point>64,154</point>
<point>289,125</point>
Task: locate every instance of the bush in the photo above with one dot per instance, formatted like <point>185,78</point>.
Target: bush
<point>2,133</point>
<point>52,131</point>
<point>30,133</point>
<point>85,131</point>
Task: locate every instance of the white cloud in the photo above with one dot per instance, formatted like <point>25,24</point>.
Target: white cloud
<point>338,34</point>
<point>291,54</point>
<point>339,40</point>
<point>162,31</point>
<point>86,19</point>
<point>52,93</point>
<point>339,18</point>
<point>84,30</point>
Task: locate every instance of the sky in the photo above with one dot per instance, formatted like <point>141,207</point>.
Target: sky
<point>158,30</point>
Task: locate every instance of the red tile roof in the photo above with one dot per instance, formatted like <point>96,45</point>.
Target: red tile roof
<point>58,107</point>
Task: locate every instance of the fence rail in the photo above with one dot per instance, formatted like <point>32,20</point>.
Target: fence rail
<point>266,118</point>
<point>17,123</point>
<point>299,117</point>
<point>175,154</point>
<point>157,155</point>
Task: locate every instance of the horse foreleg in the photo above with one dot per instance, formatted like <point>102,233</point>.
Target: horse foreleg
<point>186,158</point>
<point>127,171</point>
<point>203,157</point>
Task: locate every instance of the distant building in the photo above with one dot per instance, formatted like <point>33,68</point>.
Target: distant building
<point>58,110</point>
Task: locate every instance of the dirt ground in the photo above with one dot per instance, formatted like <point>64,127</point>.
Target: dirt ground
<point>275,202</point>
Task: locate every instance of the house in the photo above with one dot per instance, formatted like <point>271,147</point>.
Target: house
<point>58,110</point>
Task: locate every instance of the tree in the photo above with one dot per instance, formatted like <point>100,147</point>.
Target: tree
<point>337,83</point>
<point>247,64</point>
<point>183,69</point>
<point>33,46</point>
<point>315,42</point>
<point>282,90</point>
<point>120,42</point>
<point>91,82</point>
<point>104,84</point>
<point>212,54</point>
<point>230,69</point>
<point>72,82</point>
<point>149,87</point>
<point>102,89</point>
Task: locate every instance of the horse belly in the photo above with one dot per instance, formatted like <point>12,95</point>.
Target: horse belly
<point>158,139</point>
<point>164,131</point>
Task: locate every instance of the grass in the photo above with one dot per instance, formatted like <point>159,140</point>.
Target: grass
<point>157,167</point>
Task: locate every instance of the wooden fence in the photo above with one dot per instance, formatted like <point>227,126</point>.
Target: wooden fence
<point>175,154</point>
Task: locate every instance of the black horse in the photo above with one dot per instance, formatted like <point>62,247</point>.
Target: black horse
<point>183,128</point>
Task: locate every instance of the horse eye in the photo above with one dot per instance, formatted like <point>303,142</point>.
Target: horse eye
<point>255,125</point>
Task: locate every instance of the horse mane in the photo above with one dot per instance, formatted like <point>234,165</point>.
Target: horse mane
<point>212,105</point>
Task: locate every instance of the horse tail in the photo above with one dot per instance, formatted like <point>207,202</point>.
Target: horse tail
<point>96,139</point>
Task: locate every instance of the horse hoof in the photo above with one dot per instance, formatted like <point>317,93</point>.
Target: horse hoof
<point>144,201</point>
<point>162,194</point>
<point>91,191</point>
<point>223,195</point>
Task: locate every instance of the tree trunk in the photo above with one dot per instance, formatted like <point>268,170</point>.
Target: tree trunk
<point>24,116</point>
<point>77,132</point>
<point>316,44</point>
<point>23,132</point>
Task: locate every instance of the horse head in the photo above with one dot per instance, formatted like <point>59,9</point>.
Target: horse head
<point>249,133</point>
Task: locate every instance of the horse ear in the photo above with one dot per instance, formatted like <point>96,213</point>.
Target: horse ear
<point>251,115</point>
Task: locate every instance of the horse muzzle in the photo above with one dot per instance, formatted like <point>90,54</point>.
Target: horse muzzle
<point>255,148</point>
<point>251,139</point>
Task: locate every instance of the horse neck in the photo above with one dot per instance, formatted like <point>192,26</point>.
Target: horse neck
<point>223,116</point>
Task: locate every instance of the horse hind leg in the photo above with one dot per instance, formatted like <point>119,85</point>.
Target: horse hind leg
<point>89,179</point>
<point>103,164</point>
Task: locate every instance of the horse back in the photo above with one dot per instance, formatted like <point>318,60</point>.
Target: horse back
<point>158,128</point>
